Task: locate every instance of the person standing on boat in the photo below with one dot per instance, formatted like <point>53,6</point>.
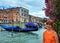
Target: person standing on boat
<point>50,36</point>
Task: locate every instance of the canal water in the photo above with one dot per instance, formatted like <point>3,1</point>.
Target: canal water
<point>22,37</point>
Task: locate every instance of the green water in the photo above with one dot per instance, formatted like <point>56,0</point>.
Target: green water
<point>21,37</point>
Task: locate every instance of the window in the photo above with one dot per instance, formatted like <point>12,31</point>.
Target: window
<point>21,9</point>
<point>22,14</point>
<point>24,10</point>
<point>5,15</point>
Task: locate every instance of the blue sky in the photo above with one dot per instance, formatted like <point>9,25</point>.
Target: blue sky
<point>34,6</point>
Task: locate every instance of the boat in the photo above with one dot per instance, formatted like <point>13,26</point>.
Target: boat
<point>11,28</point>
<point>28,27</point>
<point>39,25</point>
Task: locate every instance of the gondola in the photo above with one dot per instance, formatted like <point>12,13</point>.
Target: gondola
<point>28,27</point>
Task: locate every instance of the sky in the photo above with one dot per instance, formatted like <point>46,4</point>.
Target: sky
<point>34,6</point>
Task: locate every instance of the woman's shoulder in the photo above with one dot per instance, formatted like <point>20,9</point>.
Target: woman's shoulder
<point>53,31</point>
<point>45,31</point>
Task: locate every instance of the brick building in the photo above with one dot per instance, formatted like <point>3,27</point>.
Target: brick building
<point>8,15</point>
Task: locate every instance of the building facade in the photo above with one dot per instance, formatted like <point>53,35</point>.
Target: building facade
<point>1,15</point>
<point>8,15</point>
<point>24,13</point>
<point>16,14</point>
<point>38,19</point>
<point>34,19</point>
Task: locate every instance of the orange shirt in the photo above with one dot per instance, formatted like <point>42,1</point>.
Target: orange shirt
<point>49,37</point>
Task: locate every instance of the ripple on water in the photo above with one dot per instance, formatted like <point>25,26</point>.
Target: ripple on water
<point>20,37</point>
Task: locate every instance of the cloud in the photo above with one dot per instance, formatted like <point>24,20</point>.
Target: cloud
<point>39,14</point>
<point>28,0</point>
<point>12,3</point>
<point>35,7</point>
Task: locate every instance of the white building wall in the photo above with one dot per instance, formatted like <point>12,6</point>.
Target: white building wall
<point>24,13</point>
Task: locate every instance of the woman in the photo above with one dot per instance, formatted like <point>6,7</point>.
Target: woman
<point>50,36</point>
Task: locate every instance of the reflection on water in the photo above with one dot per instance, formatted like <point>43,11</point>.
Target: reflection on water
<point>21,37</point>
